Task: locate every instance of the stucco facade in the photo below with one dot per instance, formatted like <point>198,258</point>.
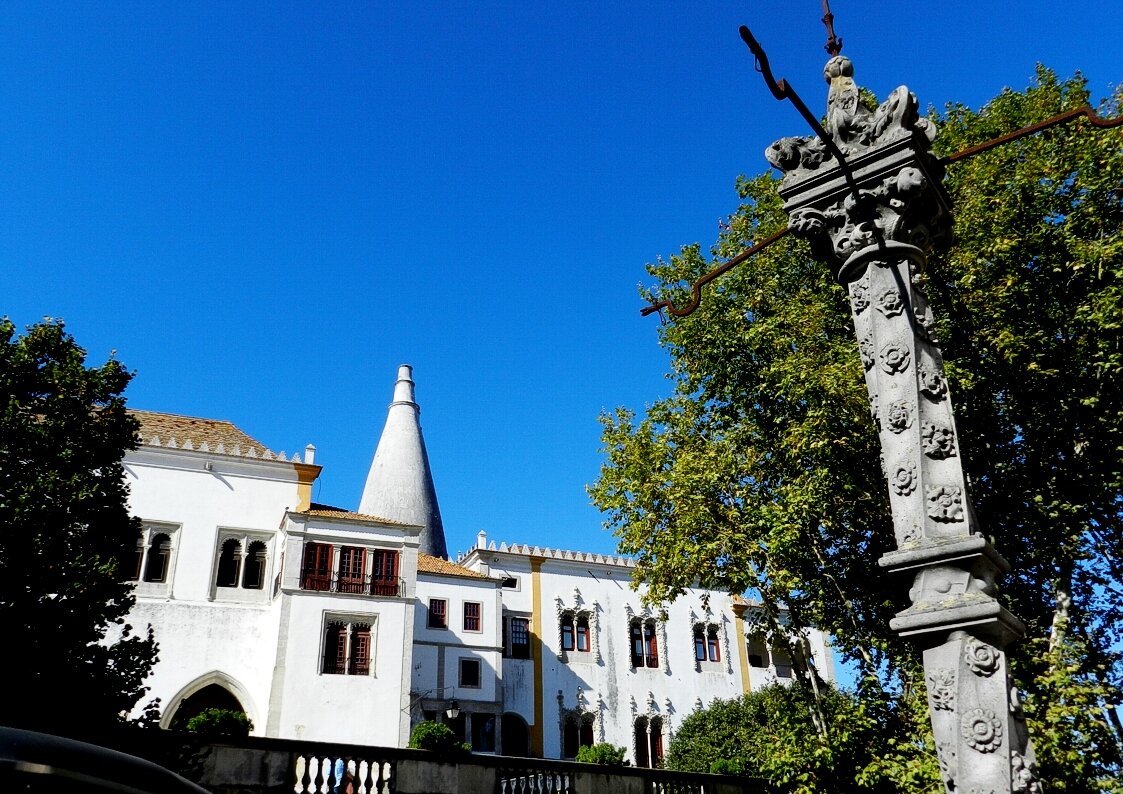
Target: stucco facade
<point>332,625</point>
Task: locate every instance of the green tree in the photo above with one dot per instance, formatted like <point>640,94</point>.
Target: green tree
<point>761,472</point>
<point>768,733</point>
<point>439,738</point>
<point>65,530</point>
<point>220,722</point>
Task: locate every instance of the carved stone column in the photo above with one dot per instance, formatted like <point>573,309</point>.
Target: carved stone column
<point>874,219</point>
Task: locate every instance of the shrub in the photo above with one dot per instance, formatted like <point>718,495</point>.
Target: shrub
<point>220,722</point>
<point>604,754</point>
<point>439,738</point>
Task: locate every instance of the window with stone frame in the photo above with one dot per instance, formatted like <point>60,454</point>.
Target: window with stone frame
<point>644,642</point>
<point>648,742</point>
<point>154,558</point>
<point>473,616</point>
<point>438,613</point>
<point>470,677</point>
<point>243,563</point>
<point>577,732</point>
<point>348,646</point>
<point>758,651</point>
<point>516,637</point>
<point>707,642</point>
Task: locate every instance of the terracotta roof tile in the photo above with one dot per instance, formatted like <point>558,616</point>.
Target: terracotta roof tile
<point>428,564</point>
<point>327,511</point>
<point>198,431</point>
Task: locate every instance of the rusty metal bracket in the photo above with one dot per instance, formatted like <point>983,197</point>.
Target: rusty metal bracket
<point>696,287</point>
<point>1068,116</point>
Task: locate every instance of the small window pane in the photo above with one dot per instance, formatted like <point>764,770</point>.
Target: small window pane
<point>470,673</point>
<point>438,613</point>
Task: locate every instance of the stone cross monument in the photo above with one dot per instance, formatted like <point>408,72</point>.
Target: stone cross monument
<point>873,215</point>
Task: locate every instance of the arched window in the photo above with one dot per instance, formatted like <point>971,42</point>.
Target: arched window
<point>645,646</point>
<point>583,633</point>
<point>649,742</point>
<point>655,742</point>
<point>713,647</point>
<point>571,737</point>
<point>335,649</point>
<point>758,651</point>
<point>643,757</point>
<point>700,643</point>
<point>159,553</point>
<point>568,642</point>
<point>577,732</point>
<point>587,739</point>
<point>229,563</point>
<point>254,576</point>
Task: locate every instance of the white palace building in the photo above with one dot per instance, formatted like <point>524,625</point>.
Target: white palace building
<point>328,624</point>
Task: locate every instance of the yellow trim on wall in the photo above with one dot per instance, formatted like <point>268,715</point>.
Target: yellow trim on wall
<point>306,474</point>
<point>537,739</point>
<point>742,649</point>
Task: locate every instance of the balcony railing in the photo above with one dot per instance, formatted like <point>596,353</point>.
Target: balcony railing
<point>354,585</point>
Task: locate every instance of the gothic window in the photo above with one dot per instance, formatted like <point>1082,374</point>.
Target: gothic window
<point>438,613</point>
<point>782,661</point>
<point>577,732</point>
<point>707,643</point>
<point>229,563</point>
<point>347,648</point>
<point>159,557</point>
<point>253,578</point>
<point>472,618</point>
<point>568,642</point>
<point>645,645</point>
<point>151,564</point>
<point>583,633</point>
<point>648,737</point>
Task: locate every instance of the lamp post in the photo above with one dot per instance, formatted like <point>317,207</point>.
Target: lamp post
<point>866,193</point>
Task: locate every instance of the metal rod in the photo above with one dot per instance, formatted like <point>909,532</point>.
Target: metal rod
<point>696,287</point>
<point>1061,118</point>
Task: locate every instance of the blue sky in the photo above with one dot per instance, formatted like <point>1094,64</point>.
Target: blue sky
<point>265,208</point>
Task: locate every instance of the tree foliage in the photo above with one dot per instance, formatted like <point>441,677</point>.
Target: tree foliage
<point>220,722</point>
<point>761,472</point>
<point>604,753</point>
<point>768,733</point>
<point>64,531</point>
<point>439,738</point>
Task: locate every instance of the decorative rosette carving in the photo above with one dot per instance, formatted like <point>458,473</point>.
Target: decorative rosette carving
<point>889,303</point>
<point>894,357</point>
<point>904,481</point>
<point>982,730</point>
<point>945,503</point>
<point>982,659</point>
<point>899,417</point>
<point>859,296</point>
<point>941,689</point>
<point>933,383</point>
<point>937,441</point>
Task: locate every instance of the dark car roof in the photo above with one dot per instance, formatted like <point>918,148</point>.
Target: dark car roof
<point>27,753</point>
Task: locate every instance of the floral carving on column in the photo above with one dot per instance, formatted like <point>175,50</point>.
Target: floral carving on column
<point>982,659</point>
<point>941,689</point>
<point>945,503</point>
<point>982,730</point>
